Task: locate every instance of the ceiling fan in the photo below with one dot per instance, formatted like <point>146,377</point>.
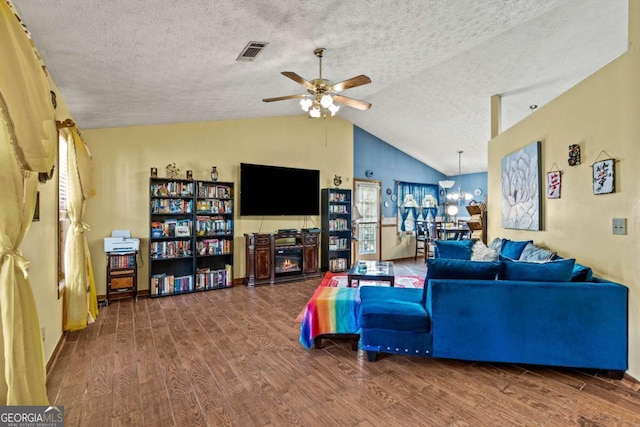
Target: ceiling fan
<point>323,97</point>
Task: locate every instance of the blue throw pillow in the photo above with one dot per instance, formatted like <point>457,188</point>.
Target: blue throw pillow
<point>442,268</point>
<point>454,249</point>
<point>512,248</point>
<point>581,273</point>
<point>552,271</point>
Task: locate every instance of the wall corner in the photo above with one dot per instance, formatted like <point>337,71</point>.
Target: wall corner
<point>634,26</point>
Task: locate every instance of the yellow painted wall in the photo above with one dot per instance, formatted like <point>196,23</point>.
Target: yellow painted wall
<point>40,247</point>
<point>395,246</point>
<point>600,113</point>
<point>122,158</point>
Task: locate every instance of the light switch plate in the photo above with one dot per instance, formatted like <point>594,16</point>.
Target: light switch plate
<point>619,226</point>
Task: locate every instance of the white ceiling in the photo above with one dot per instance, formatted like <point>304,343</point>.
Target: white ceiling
<point>434,64</point>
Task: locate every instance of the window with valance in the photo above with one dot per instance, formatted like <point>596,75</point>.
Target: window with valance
<point>415,202</point>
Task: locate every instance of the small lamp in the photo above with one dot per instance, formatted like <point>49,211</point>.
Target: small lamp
<point>446,184</point>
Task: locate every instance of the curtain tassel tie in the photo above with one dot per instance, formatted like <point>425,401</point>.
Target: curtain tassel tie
<point>16,254</point>
<point>80,227</point>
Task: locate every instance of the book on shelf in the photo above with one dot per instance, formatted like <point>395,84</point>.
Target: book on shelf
<point>214,247</point>
<point>214,206</point>
<point>207,191</point>
<point>171,206</point>
<point>338,224</point>
<point>170,249</point>
<point>207,278</point>
<point>165,284</point>
<point>337,264</point>
<point>210,226</point>
<point>172,189</point>
<point>122,261</point>
<point>157,229</point>
<point>338,243</point>
<point>337,197</point>
<point>183,228</point>
<point>169,228</point>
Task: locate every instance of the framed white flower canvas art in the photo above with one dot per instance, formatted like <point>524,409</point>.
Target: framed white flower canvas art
<point>520,198</point>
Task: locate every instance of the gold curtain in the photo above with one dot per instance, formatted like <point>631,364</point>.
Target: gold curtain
<point>26,96</point>
<point>80,294</point>
<point>28,144</point>
<point>22,363</point>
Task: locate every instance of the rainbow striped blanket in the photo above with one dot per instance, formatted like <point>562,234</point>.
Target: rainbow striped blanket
<point>330,311</point>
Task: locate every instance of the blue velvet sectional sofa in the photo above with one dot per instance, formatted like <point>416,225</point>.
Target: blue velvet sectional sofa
<point>551,313</point>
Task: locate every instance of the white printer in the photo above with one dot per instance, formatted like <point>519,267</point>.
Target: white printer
<point>121,241</point>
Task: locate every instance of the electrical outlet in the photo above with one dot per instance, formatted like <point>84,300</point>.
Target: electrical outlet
<point>619,226</point>
<point>42,330</point>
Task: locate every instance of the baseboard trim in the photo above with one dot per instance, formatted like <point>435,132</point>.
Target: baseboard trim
<point>635,384</point>
<point>56,352</point>
<point>102,299</point>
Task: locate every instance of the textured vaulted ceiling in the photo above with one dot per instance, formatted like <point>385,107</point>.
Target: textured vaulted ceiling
<point>434,63</point>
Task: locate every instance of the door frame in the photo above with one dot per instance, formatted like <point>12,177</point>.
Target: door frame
<point>379,225</point>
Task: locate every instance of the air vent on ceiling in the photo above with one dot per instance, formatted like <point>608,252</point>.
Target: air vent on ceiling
<point>251,50</point>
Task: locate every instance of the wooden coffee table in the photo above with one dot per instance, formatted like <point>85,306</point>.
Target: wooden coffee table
<point>379,271</point>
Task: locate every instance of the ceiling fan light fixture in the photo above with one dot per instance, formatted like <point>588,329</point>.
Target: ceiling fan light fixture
<point>306,103</point>
<point>314,112</point>
<point>324,94</point>
<point>326,101</point>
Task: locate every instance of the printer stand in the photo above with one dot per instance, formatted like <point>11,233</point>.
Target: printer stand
<point>122,275</point>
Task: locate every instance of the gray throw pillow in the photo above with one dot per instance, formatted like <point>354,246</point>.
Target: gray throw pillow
<point>496,244</point>
<point>533,253</point>
<point>481,252</point>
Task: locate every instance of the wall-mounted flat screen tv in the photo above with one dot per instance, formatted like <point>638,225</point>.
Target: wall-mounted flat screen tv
<point>275,190</point>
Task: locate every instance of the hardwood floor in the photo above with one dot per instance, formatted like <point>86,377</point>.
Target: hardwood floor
<point>231,357</point>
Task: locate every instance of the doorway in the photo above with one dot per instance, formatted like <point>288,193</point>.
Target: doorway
<point>367,195</point>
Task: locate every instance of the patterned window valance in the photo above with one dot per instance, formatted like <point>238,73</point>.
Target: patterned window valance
<point>416,202</point>
<point>25,96</point>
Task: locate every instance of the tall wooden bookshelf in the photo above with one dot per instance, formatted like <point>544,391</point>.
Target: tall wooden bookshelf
<point>191,236</point>
<point>335,248</point>
<point>214,235</point>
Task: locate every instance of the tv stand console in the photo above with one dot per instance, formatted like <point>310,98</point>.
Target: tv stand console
<point>279,257</point>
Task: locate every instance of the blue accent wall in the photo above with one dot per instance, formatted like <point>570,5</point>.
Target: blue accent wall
<point>470,182</point>
<point>389,164</point>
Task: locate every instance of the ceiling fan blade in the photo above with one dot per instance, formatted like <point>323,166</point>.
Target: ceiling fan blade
<point>282,98</point>
<point>352,82</point>
<point>350,102</point>
<point>296,78</point>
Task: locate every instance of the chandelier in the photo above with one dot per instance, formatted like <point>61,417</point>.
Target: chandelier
<point>320,105</point>
<point>459,196</point>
